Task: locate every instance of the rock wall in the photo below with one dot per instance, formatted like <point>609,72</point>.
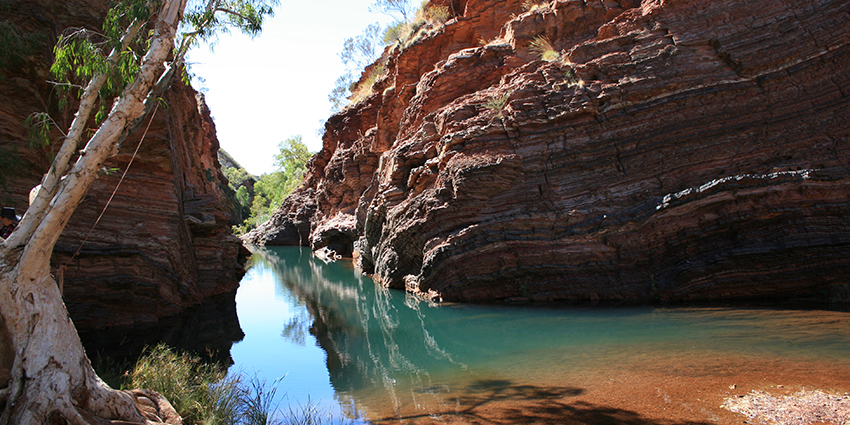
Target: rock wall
<point>678,150</point>
<point>163,245</point>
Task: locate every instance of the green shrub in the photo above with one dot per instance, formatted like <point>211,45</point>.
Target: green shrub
<point>497,104</point>
<point>272,188</point>
<point>571,77</point>
<point>394,33</point>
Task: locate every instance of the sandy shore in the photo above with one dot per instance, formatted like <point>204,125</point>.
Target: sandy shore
<point>687,391</point>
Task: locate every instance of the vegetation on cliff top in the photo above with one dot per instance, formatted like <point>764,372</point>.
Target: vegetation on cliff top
<point>365,56</point>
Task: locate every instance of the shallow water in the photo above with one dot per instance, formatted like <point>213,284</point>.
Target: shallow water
<point>340,342</point>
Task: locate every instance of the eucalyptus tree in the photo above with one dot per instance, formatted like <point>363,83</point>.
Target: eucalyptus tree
<point>397,9</point>
<point>137,56</point>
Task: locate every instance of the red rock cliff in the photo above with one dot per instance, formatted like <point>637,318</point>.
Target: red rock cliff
<point>678,150</point>
<point>164,243</point>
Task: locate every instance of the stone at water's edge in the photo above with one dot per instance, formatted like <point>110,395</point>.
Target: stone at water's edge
<point>164,244</point>
<point>680,150</point>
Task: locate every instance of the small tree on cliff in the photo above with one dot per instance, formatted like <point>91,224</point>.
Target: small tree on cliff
<point>139,55</point>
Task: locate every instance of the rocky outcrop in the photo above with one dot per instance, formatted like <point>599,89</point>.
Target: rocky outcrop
<point>674,150</point>
<point>163,245</point>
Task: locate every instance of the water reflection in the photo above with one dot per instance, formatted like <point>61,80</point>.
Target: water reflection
<point>208,330</point>
<point>373,339</point>
<point>397,358</point>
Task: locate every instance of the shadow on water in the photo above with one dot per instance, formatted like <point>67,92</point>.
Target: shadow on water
<point>208,330</point>
<point>499,401</point>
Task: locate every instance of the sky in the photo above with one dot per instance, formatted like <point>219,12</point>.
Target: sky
<point>263,91</point>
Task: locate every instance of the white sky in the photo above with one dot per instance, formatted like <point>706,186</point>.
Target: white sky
<point>263,91</point>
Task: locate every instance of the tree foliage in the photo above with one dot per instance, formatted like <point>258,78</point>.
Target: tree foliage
<point>400,10</point>
<point>135,59</point>
<point>357,53</point>
<point>272,188</point>
<point>236,176</point>
<point>362,56</point>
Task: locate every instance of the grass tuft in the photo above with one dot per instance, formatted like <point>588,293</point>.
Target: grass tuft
<point>205,394</point>
<point>544,49</point>
<point>192,386</point>
<point>438,14</point>
<point>532,5</point>
<point>258,402</point>
<point>497,104</point>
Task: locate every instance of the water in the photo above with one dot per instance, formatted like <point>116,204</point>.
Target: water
<point>355,349</point>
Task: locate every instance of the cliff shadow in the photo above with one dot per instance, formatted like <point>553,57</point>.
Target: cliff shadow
<point>208,330</point>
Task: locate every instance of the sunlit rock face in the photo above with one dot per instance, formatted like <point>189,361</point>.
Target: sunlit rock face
<point>676,150</point>
<point>164,243</point>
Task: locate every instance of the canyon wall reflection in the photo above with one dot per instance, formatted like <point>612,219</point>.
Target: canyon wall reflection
<point>374,339</point>
<point>392,357</point>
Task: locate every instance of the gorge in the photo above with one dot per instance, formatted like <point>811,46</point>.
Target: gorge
<point>605,152</point>
<point>672,151</point>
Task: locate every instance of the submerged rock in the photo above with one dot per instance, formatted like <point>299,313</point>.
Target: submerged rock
<point>669,151</point>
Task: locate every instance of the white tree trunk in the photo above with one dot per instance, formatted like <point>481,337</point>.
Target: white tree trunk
<point>52,379</point>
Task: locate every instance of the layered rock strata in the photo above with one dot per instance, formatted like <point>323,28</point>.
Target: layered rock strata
<point>671,150</point>
<point>163,245</point>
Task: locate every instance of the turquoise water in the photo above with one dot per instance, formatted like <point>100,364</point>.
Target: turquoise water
<point>341,342</point>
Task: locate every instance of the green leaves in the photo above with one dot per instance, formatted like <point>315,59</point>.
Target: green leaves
<point>123,13</point>
<point>272,188</point>
<point>79,59</point>
<point>206,19</point>
<point>38,129</point>
<point>38,133</point>
<point>293,156</point>
<point>82,54</point>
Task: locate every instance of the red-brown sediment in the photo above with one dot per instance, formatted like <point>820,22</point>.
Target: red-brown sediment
<point>690,389</point>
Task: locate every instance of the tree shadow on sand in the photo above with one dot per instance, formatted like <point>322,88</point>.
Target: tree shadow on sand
<point>504,402</point>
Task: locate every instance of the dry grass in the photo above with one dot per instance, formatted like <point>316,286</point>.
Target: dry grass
<point>532,5</point>
<point>543,47</point>
<point>365,88</point>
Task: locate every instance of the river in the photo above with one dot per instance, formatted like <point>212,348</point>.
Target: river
<point>329,337</point>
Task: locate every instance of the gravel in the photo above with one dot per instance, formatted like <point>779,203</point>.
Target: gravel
<point>801,408</point>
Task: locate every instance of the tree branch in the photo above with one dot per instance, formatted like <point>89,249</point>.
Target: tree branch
<point>233,12</point>
<point>49,183</point>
